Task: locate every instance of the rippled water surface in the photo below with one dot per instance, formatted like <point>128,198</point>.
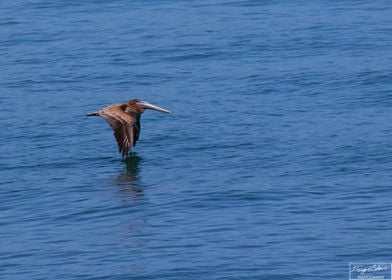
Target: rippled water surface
<point>276,162</point>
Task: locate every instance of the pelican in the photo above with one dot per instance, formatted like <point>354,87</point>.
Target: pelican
<point>124,118</point>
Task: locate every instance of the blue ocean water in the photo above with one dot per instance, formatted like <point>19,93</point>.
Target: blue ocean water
<point>276,162</point>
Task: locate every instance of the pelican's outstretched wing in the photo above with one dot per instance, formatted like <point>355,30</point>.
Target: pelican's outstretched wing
<point>123,126</point>
<point>136,124</point>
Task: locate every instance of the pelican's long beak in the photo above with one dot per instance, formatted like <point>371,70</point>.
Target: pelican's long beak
<point>147,105</point>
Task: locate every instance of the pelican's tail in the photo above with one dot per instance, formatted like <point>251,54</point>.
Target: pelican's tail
<point>92,114</point>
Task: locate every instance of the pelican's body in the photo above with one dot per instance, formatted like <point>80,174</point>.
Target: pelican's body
<point>124,118</point>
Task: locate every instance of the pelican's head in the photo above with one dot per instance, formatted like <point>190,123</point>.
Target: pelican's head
<point>142,105</point>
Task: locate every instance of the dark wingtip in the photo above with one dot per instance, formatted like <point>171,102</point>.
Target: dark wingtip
<point>92,114</point>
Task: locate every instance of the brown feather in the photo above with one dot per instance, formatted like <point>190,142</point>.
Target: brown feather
<point>122,124</point>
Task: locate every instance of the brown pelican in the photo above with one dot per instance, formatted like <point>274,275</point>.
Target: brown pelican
<point>124,118</point>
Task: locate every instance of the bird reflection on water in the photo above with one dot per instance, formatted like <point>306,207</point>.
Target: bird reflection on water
<point>128,180</point>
